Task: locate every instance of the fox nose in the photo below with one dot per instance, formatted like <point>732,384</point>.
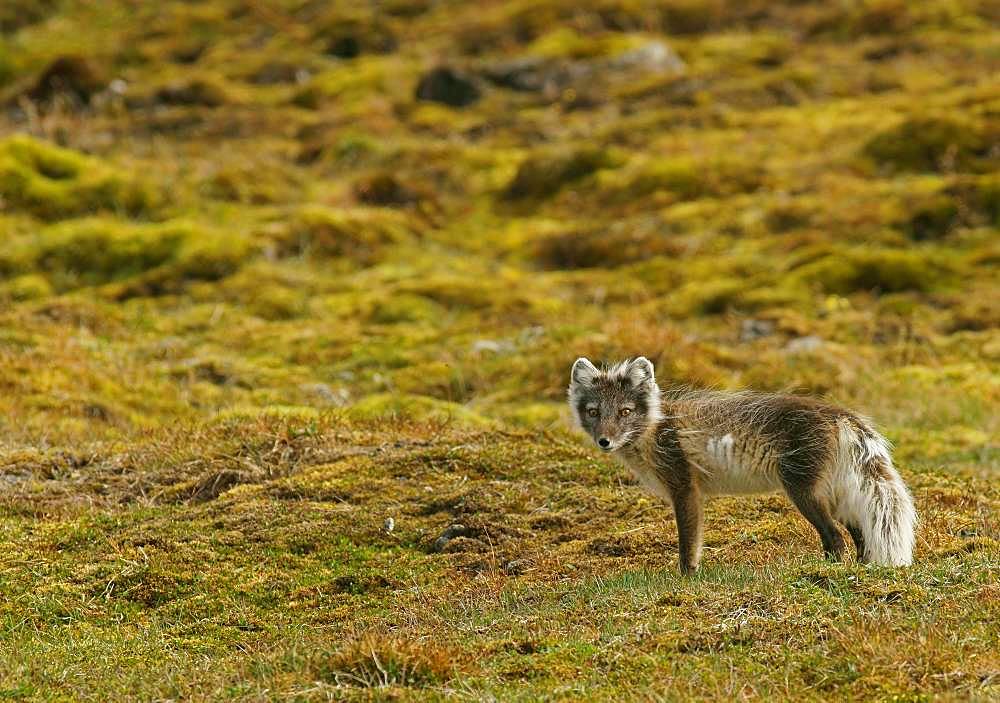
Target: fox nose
<point>604,442</point>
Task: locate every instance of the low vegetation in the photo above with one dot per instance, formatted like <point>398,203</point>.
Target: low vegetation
<point>289,292</point>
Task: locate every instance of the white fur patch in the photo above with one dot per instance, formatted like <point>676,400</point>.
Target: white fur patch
<point>728,471</point>
<point>721,450</point>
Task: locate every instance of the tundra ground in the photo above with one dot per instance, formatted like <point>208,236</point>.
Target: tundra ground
<point>273,272</point>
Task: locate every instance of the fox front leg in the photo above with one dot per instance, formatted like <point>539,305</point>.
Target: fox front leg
<point>689,514</point>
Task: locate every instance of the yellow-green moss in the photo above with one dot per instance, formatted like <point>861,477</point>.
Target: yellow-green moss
<point>604,248</point>
<point>403,307</point>
<point>414,407</point>
<point>542,175</point>
<point>688,179</point>
<point>933,144</point>
<point>138,258</point>
<point>879,270</point>
<point>566,43</point>
<point>31,286</point>
<point>362,235</point>
<point>51,182</point>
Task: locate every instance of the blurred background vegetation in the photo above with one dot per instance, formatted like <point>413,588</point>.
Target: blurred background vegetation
<point>374,213</point>
<point>250,203</point>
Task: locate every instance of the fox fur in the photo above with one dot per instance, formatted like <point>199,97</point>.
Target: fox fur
<point>686,446</point>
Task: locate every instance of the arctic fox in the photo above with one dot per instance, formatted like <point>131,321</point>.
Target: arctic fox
<point>688,445</point>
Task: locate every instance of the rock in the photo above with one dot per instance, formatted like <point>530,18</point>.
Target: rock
<point>389,525</point>
<point>652,56</point>
<point>551,77</point>
<point>752,329</point>
<point>279,72</point>
<point>454,531</point>
<point>804,344</point>
<point>535,75</point>
<point>337,397</point>
<point>491,345</point>
<point>73,76</point>
<point>516,567</point>
<point>447,86</point>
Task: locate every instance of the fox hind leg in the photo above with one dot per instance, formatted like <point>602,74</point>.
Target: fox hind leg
<point>819,517</point>
<point>858,537</point>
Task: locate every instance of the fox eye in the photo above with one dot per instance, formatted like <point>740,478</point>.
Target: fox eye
<point>626,411</point>
<point>593,412</point>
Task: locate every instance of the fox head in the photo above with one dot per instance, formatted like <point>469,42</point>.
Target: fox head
<point>615,404</point>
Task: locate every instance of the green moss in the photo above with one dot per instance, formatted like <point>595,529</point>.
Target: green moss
<point>362,235</point>
<point>535,415</point>
<point>268,291</point>
<point>51,182</point>
<point>884,270</point>
<point>195,510</point>
<point>16,14</point>
<point>351,36</point>
<point>461,292</point>
<point>254,184</point>
<point>139,259</point>
<point>978,199</point>
<point>414,407</point>
<point>403,307</point>
<point>99,251</point>
<point>202,91</point>
<point>351,84</point>
<point>688,179</point>
<point>933,218</point>
<point>706,297</point>
<point>8,67</point>
<point>604,248</point>
<point>868,17</point>
<point>543,175</point>
<point>207,255</point>
<point>566,43</point>
<point>931,144</point>
<point>291,416</point>
<point>30,286</point>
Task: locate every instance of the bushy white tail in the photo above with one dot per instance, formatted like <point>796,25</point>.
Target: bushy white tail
<point>867,493</point>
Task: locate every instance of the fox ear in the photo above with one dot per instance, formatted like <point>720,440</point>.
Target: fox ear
<point>640,371</point>
<point>583,371</point>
